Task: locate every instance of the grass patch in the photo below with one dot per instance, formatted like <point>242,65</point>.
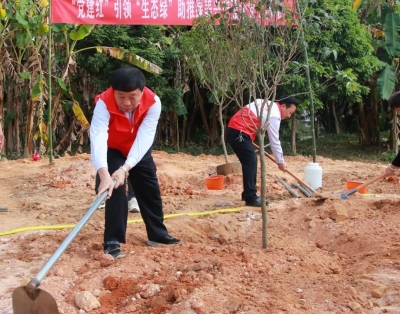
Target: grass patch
<point>344,147</point>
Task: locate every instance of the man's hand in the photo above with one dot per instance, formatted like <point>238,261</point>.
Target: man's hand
<point>389,171</point>
<point>282,166</point>
<point>119,176</point>
<point>106,182</point>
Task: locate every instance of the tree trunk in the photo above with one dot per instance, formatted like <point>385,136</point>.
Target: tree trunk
<point>335,118</point>
<point>201,106</point>
<point>163,128</point>
<point>221,121</point>
<point>16,120</point>
<point>373,118</point>
<point>28,146</point>
<point>368,117</point>
<point>395,133</point>
<point>183,132</point>
<point>16,126</point>
<point>184,125</point>
<point>293,141</point>
<point>214,134</point>
<point>10,129</point>
<point>263,188</point>
<point>172,127</point>
<point>191,120</point>
<point>65,142</point>
<point>362,123</point>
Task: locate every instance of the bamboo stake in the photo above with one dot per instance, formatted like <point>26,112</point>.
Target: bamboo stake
<point>302,189</point>
<point>288,171</point>
<point>291,191</point>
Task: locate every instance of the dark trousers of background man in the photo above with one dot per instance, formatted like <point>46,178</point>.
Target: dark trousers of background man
<point>241,144</point>
<point>144,182</point>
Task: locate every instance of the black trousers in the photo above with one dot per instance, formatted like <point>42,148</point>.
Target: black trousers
<point>242,146</point>
<point>144,182</point>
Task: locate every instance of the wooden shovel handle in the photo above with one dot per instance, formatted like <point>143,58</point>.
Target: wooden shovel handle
<point>344,195</point>
<point>287,170</point>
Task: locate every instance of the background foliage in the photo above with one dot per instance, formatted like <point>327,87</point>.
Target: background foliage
<point>353,51</point>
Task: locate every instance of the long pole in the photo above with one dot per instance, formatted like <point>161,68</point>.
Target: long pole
<point>49,84</point>
<point>304,44</point>
<point>35,282</point>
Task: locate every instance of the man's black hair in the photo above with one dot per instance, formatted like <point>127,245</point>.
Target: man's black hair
<point>127,79</point>
<point>288,100</point>
<point>394,100</point>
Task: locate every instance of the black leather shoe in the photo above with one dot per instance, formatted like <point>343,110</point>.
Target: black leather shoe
<point>256,203</point>
<point>167,240</point>
<point>112,248</point>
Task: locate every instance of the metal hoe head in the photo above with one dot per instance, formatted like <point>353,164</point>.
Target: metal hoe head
<point>37,301</point>
<point>345,196</point>
<point>30,299</point>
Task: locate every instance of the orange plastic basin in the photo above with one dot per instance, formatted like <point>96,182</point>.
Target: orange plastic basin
<point>353,184</point>
<point>215,182</point>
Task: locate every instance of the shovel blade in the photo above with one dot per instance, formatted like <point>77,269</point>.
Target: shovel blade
<point>42,302</point>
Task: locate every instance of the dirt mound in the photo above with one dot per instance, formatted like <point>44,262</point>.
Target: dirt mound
<point>324,255</point>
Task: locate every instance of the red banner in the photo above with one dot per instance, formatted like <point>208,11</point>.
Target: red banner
<point>141,12</point>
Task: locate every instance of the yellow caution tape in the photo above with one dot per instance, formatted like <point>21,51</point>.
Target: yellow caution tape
<point>218,211</point>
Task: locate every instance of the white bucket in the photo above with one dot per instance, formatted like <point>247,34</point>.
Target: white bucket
<point>313,175</point>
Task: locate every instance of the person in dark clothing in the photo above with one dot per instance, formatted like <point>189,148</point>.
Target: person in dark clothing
<point>122,132</point>
<point>241,133</point>
<point>394,104</point>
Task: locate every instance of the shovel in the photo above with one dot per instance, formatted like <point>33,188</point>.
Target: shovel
<point>30,299</point>
<point>237,160</point>
<point>345,195</point>
<point>288,171</point>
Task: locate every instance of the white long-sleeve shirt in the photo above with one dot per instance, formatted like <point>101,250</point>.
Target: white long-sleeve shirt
<point>99,134</point>
<point>272,128</point>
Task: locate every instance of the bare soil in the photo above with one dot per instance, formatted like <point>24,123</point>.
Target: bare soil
<point>324,255</point>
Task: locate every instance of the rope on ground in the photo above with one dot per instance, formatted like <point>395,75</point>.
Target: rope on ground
<point>218,211</point>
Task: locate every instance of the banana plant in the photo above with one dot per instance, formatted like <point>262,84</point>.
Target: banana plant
<point>23,40</point>
<point>24,64</point>
<point>383,21</point>
<point>64,87</point>
<point>384,24</point>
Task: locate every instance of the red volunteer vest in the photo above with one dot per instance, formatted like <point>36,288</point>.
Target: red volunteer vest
<point>122,132</point>
<point>246,121</point>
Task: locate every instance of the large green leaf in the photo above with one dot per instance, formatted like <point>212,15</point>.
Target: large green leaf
<point>21,19</point>
<point>25,75</point>
<point>37,89</point>
<point>180,107</point>
<point>81,32</point>
<point>386,81</point>
<point>130,57</point>
<point>62,84</point>
<point>392,37</point>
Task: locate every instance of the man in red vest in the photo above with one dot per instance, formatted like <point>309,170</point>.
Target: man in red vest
<point>241,133</point>
<point>121,136</point>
